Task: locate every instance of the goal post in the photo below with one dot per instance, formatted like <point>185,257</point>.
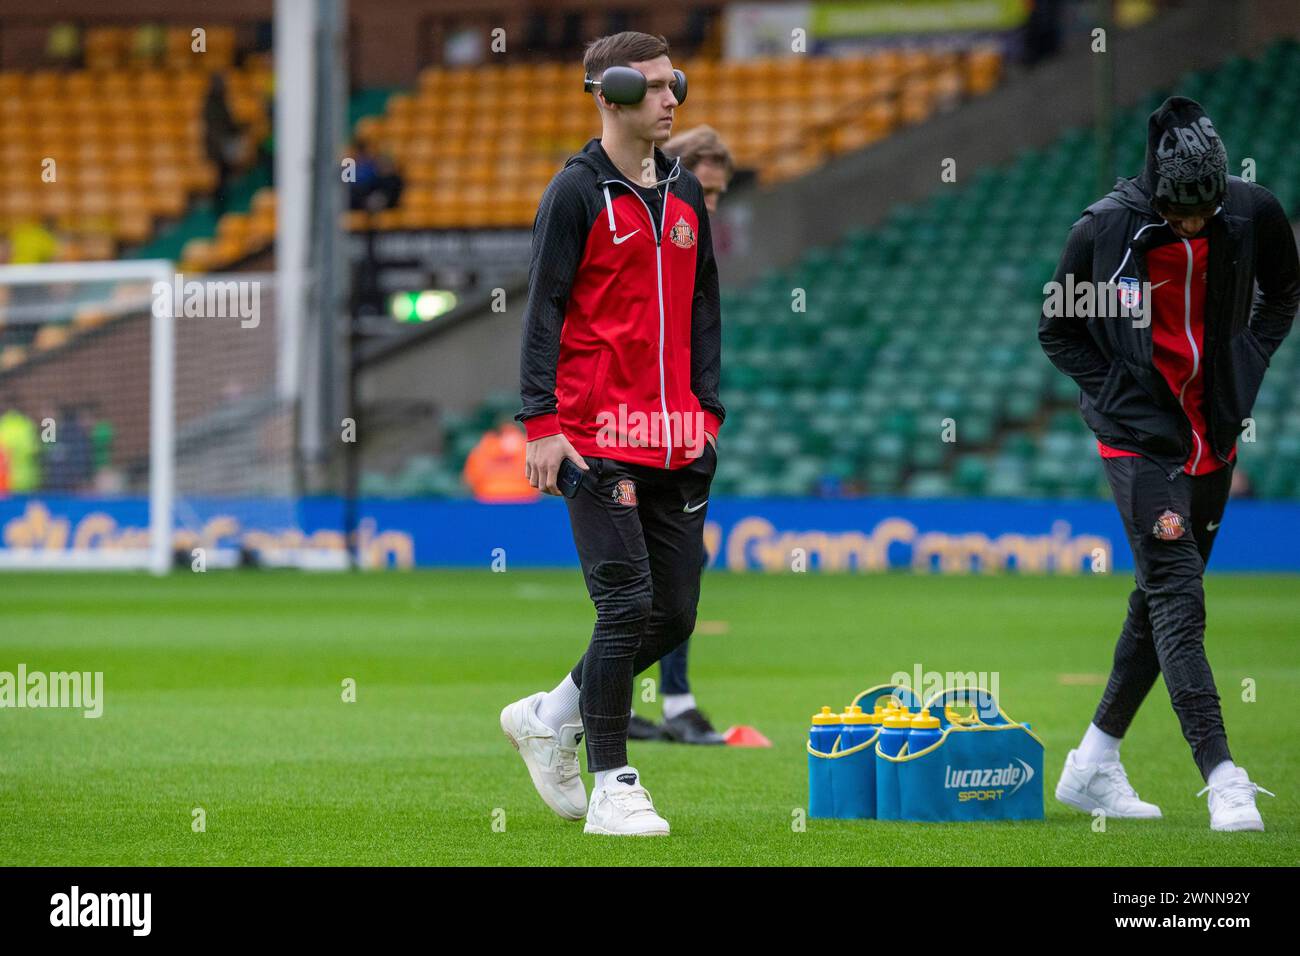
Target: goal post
<point>144,418</point>
<point>51,308</point>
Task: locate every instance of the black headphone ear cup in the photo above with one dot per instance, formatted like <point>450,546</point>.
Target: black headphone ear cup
<point>679,90</point>
<point>623,85</point>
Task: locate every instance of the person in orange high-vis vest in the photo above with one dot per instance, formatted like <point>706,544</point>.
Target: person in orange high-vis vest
<point>494,470</point>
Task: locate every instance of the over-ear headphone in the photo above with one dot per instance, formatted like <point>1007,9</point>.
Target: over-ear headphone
<point>626,86</point>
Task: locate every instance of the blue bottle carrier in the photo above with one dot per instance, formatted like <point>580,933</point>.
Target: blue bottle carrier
<point>985,766</point>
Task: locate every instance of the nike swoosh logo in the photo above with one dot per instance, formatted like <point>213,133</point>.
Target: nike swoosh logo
<point>690,511</point>
<point>618,240</point>
<point>1159,284</point>
<point>1211,526</point>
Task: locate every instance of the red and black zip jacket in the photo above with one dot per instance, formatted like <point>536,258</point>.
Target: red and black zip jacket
<point>1177,269</point>
<point>1179,389</point>
<point>622,340</point>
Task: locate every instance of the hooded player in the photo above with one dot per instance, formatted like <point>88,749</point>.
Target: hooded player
<point>1168,390</point>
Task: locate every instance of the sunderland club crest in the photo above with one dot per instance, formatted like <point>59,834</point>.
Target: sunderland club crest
<point>625,492</point>
<point>682,234</point>
<point>1170,526</point>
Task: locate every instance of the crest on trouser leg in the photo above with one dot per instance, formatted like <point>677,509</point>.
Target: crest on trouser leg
<point>1170,526</point>
<point>625,492</point>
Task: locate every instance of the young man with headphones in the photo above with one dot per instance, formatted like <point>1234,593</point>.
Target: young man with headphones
<point>620,362</point>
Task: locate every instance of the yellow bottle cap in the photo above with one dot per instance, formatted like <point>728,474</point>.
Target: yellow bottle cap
<point>898,719</point>
<point>924,720</point>
<point>953,714</point>
<point>826,717</point>
<point>854,715</point>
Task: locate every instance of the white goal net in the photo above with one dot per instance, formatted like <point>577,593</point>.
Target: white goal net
<point>141,418</point>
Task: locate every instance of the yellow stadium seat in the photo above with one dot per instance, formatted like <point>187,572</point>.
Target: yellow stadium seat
<point>233,225</point>
<point>263,225</point>
<point>88,317</point>
<point>197,254</point>
<point>134,226</point>
<point>263,199</point>
<point>12,356</point>
<point>226,251</point>
<point>168,202</point>
<point>50,336</point>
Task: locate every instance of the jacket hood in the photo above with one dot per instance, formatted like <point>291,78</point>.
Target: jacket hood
<point>594,156</point>
<point>1133,194</point>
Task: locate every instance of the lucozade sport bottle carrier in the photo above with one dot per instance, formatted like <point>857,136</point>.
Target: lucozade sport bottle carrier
<point>985,766</point>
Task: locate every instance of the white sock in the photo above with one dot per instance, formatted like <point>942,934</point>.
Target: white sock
<point>675,704</point>
<point>1220,773</point>
<point>1098,747</point>
<point>560,706</point>
<point>601,775</point>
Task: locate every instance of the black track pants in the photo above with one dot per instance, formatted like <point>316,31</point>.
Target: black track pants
<point>640,536</point>
<point>1171,527</point>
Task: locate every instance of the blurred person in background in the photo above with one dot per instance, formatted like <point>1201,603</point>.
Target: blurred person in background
<point>223,140</point>
<point>494,470</point>
<point>33,242</point>
<point>701,151</point>
<point>385,189</point>
<point>378,187</point>
<point>363,174</point>
<point>20,449</point>
<point>69,460</point>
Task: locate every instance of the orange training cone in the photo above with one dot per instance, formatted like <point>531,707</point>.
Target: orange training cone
<point>745,736</point>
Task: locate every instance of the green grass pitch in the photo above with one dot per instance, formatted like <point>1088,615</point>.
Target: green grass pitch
<point>223,691</point>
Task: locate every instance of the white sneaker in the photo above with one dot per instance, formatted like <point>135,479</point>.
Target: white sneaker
<point>1232,803</point>
<point>1089,787</point>
<point>551,758</point>
<point>623,808</point>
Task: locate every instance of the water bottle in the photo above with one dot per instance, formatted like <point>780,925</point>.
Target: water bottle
<point>893,734</point>
<point>857,727</point>
<point>826,726</point>
<point>925,732</point>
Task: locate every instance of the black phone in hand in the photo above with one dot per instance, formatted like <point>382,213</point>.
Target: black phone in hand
<point>569,478</point>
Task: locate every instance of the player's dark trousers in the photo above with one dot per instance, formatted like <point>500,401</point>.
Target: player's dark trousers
<point>672,670</point>
<point>1165,629</point>
<point>641,552</point>
<point>672,666</point>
